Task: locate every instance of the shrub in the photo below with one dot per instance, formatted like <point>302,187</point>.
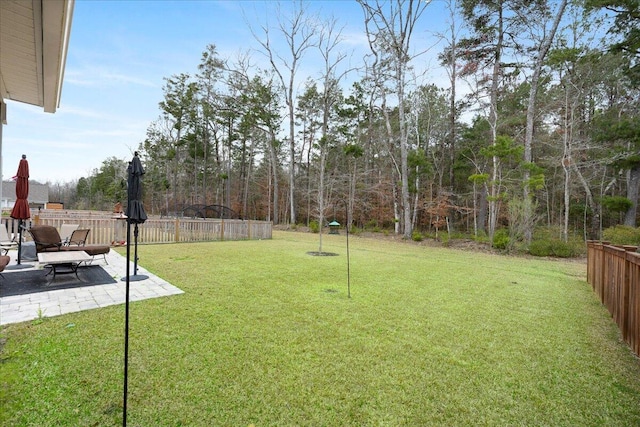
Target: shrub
<point>314,227</point>
<point>481,237</point>
<point>616,203</point>
<point>372,224</point>
<point>416,236</point>
<point>458,235</point>
<point>549,232</point>
<point>622,235</point>
<point>501,239</point>
<point>554,248</point>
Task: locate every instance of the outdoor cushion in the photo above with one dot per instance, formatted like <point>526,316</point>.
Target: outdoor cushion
<point>5,242</point>
<point>4,261</point>
<point>78,239</point>
<point>47,239</point>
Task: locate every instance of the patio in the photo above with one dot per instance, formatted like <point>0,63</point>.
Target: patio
<point>20,308</point>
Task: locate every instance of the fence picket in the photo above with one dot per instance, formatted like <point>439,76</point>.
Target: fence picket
<point>614,274</point>
<point>108,230</point>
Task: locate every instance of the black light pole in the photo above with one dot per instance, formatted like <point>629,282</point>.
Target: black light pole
<point>135,277</point>
<point>135,253</point>
<point>126,329</point>
<point>346,209</point>
<point>135,214</point>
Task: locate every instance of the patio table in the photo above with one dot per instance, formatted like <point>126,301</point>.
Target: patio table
<point>64,262</point>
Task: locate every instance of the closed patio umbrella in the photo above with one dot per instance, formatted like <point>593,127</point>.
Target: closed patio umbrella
<point>21,210</point>
<point>135,215</point>
<point>135,210</point>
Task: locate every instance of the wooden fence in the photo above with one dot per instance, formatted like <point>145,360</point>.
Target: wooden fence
<point>108,230</point>
<point>614,274</point>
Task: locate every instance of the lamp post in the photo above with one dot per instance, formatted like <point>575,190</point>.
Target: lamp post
<point>346,209</point>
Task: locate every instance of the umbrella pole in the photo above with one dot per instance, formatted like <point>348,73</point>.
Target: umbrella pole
<point>136,277</point>
<point>18,265</point>
<point>135,253</point>
<point>19,240</point>
<point>126,331</point>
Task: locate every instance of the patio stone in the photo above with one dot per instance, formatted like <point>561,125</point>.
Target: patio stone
<point>21,308</point>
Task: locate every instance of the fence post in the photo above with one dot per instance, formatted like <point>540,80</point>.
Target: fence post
<point>249,229</point>
<point>177,231</point>
<point>221,229</point>
<point>603,268</point>
<point>623,321</point>
<point>592,264</point>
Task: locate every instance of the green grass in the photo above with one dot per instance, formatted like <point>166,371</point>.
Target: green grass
<point>266,335</point>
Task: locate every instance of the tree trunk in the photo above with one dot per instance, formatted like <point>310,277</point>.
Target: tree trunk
<point>323,157</point>
<point>453,77</point>
<point>595,217</point>
<point>483,208</point>
<point>494,190</point>
<point>292,154</point>
<point>531,112</point>
<point>633,184</point>
<point>567,193</point>
<point>274,168</point>
<point>404,155</point>
<point>396,211</point>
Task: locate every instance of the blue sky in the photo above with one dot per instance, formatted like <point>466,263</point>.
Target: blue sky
<point>119,53</point>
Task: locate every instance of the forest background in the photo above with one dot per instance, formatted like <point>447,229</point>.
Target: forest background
<point>538,126</point>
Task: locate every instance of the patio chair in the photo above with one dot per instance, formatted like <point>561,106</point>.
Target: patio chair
<point>47,239</point>
<point>66,230</point>
<point>4,261</point>
<point>77,237</point>
<point>6,244</point>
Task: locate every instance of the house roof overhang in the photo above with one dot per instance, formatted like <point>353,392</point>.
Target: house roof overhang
<point>34,37</point>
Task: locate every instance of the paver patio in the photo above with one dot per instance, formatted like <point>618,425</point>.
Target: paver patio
<point>20,308</point>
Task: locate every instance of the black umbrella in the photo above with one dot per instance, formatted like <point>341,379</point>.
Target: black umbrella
<point>135,210</point>
<point>135,215</point>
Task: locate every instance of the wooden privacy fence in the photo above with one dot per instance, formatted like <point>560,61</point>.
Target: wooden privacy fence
<point>110,231</point>
<point>614,274</point>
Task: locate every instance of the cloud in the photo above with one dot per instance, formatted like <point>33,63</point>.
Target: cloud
<point>100,77</point>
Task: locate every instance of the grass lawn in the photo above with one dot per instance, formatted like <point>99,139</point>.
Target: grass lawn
<point>266,335</point>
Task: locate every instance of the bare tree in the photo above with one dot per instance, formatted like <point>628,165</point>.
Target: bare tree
<point>542,49</point>
<point>329,39</point>
<point>389,27</point>
<point>449,59</point>
<point>298,32</point>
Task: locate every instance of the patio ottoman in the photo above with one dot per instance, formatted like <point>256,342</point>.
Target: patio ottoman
<point>28,252</point>
<point>93,250</point>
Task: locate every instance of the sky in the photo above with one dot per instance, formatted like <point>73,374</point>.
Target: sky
<point>119,54</point>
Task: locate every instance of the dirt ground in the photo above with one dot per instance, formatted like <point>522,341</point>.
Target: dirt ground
<point>463,244</point>
<point>459,244</point>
